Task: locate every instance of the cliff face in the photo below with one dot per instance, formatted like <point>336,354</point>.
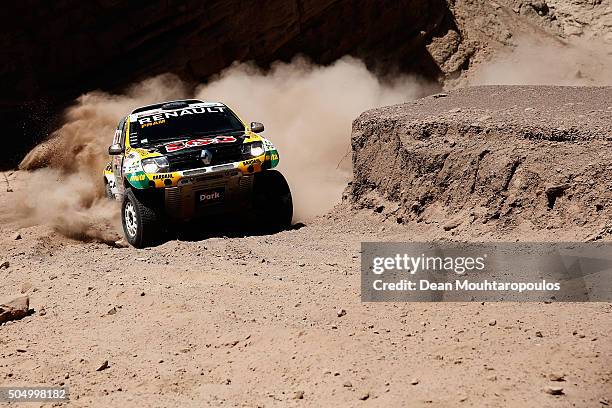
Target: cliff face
<point>55,53</point>
<point>489,159</point>
<point>52,54</point>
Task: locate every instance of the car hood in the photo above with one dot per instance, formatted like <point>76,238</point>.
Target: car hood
<point>197,143</point>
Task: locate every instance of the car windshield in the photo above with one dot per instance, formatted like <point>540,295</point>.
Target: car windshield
<point>183,123</point>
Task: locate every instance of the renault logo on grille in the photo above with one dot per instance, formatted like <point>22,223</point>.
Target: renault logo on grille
<point>206,157</point>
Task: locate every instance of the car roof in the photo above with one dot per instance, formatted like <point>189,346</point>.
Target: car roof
<point>168,105</point>
<point>160,104</point>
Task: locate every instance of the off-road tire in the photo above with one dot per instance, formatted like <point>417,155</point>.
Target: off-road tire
<point>272,202</point>
<point>144,216</point>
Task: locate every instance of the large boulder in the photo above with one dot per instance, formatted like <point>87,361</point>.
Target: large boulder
<point>15,309</point>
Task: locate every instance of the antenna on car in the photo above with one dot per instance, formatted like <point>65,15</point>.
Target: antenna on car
<point>168,105</point>
<point>174,105</point>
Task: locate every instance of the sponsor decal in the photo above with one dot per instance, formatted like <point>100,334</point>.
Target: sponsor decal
<point>268,144</point>
<point>131,164</point>
<point>162,176</point>
<point>157,122</point>
<point>180,145</point>
<point>211,196</point>
<point>271,159</point>
<point>159,118</point>
<point>137,177</point>
<point>251,161</point>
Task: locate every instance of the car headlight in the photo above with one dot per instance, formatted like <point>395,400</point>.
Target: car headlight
<point>253,149</point>
<point>155,165</point>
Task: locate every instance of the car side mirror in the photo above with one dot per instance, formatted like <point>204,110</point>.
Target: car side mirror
<point>257,127</point>
<point>115,149</point>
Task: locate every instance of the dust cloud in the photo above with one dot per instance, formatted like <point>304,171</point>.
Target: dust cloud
<point>535,62</point>
<point>65,188</point>
<point>70,203</point>
<point>307,110</point>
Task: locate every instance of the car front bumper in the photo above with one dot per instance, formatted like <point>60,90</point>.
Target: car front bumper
<point>209,194</point>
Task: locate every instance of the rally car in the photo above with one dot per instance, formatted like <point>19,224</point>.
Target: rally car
<point>176,161</point>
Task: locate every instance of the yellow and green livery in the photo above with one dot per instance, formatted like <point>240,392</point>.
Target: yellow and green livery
<point>189,158</point>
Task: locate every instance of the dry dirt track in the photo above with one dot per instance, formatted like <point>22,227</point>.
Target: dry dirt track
<point>253,321</point>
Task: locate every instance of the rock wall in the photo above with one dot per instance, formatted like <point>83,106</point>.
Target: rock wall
<point>505,157</point>
<point>54,53</point>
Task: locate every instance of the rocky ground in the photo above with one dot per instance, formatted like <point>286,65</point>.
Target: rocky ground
<point>276,320</point>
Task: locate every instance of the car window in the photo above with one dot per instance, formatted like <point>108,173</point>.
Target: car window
<point>184,123</point>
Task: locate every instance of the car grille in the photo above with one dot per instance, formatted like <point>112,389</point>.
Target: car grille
<point>192,159</point>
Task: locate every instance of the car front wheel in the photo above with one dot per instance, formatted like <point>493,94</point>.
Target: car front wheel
<point>140,219</point>
<point>272,201</point>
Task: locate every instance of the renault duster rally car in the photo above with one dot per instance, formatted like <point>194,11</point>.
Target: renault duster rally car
<point>180,160</point>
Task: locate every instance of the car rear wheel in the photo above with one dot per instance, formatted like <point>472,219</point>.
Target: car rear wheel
<point>140,219</point>
<point>272,202</point>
